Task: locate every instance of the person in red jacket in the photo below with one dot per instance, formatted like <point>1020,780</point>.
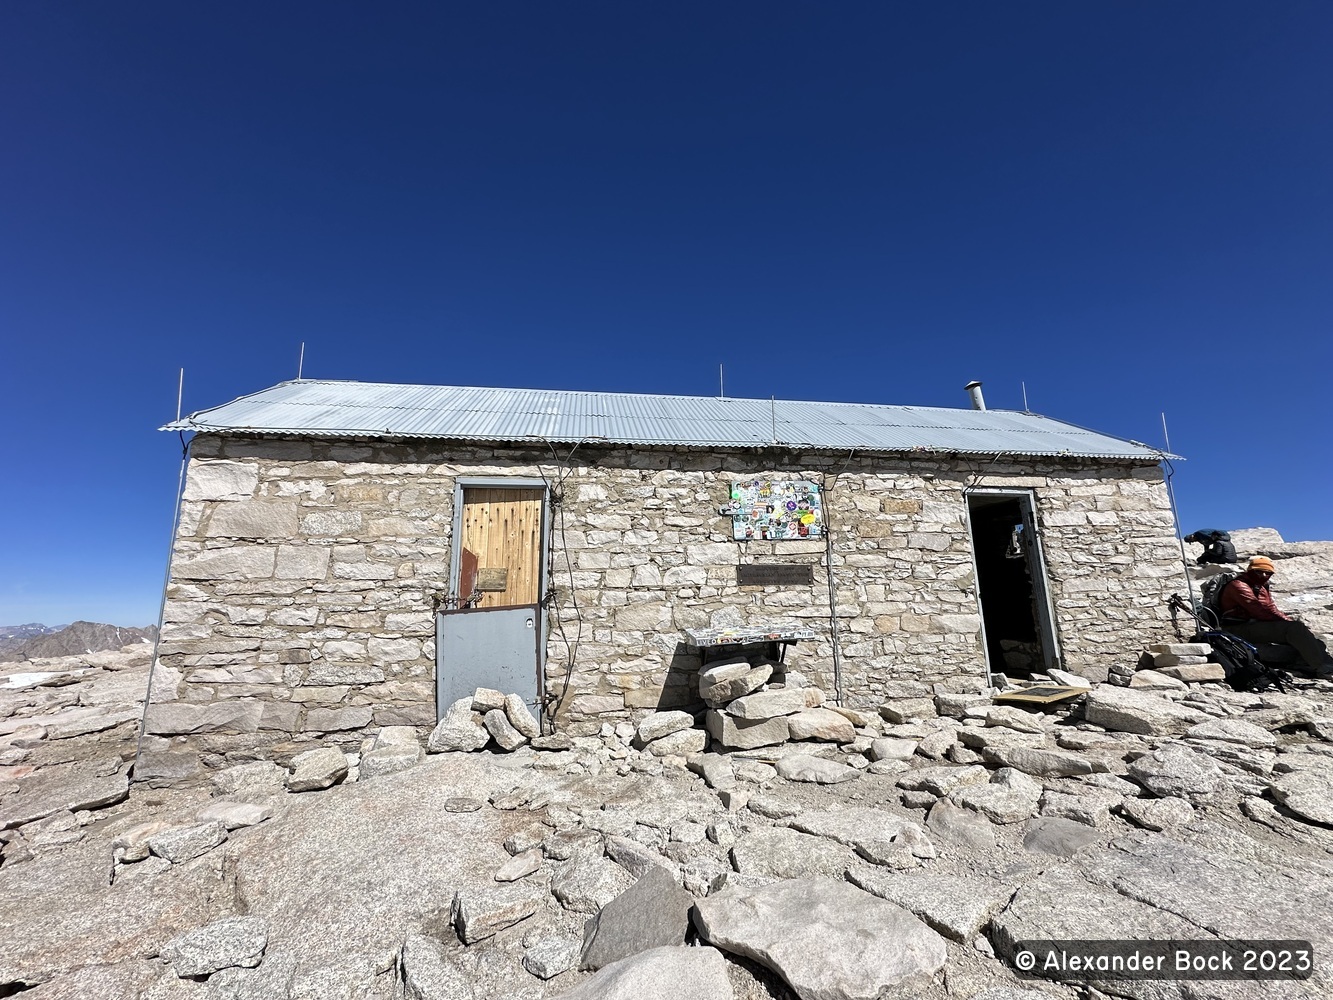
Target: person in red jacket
<point>1249,612</point>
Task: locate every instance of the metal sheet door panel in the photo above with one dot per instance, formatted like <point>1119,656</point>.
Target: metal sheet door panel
<point>487,647</point>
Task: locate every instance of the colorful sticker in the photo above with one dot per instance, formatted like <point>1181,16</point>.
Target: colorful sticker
<point>775,509</point>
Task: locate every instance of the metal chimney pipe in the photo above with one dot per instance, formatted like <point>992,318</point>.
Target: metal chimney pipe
<point>974,390</point>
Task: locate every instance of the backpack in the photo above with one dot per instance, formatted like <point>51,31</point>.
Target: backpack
<point>1217,547</point>
<point>1210,598</point>
<point>1240,661</point>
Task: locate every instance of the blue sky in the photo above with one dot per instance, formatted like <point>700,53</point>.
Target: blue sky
<point>1125,206</point>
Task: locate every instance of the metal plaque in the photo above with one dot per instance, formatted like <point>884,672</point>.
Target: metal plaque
<point>493,578</point>
<point>775,575</point>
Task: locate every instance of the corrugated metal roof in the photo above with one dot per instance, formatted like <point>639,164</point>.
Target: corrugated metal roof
<point>330,409</point>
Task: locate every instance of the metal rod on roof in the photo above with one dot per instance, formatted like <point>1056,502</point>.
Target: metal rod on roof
<point>1025,397</point>
<point>1175,513</point>
<point>180,393</point>
<point>721,386</point>
<point>300,364</point>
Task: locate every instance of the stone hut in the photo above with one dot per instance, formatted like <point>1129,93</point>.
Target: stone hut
<point>349,555</point>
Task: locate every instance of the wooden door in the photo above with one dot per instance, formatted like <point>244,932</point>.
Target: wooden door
<point>501,546</point>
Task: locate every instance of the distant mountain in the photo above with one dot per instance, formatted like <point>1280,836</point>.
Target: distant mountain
<point>72,640</point>
<point>14,636</point>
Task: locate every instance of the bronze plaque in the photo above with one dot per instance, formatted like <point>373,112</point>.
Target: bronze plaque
<point>775,575</point>
<point>493,578</point>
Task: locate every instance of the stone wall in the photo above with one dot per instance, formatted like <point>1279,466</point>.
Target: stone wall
<point>303,573</point>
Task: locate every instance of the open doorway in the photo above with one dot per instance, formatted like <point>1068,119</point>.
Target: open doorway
<point>1011,582</point>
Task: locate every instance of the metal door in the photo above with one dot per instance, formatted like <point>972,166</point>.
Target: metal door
<point>1040,595</point>
<point>493,637</point>
<point>487,647</point>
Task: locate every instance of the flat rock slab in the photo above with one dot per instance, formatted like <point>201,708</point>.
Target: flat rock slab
<point>828,940</point>
<point>1124,711</point>
<point>185,843</point>
<point>1043,763</point>
<point>961,826</point>
<point>520,866</point>
<point>1158,814</point>
<point>817,770</point>
<point>1233,731</point>
<point>777,852</point>
<point>1309,794</point>
<point>668,973</point>
<point>857,826</point>
<point>482,914</point>
<point>768,704</point>
<point>942,779</point>
<point>41,796</point>
<point>1061,905</point>
<point>956,906</point>
<point>652,913</point>
<point>223,944</point>
<point>234,815</point>
<point>390,759</point>
<point>1058,837</point>
<point>1179,772</point>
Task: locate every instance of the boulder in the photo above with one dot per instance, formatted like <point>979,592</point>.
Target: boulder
<point>962,826</point>
<point>551,956</point>
<point>1309,794</point>
<point>317,769</point>
<point>746,734</point>
<point>1239,731</point>
<point>659,724</point>
<point>506,737</point>
<point>586,884</point>
<point>1043,763</point>
<point>724,682</point>
<point>857,826</point>
<point>521,717</point>
<point>519,866</point>
<point>827,939</point>
<point>460,730</point>
<point>654,912</point>
<point>821,724</point>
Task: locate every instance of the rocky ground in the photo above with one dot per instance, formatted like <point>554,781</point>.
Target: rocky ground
<point>906,853</point>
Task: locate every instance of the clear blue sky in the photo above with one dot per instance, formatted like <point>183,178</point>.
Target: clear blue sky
<point>1128,206</point>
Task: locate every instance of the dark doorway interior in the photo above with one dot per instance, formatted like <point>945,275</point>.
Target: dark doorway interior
<point>1004,581</point>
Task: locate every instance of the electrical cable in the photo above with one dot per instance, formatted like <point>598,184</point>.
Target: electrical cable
<point>162,606</point>
<point>832,583</point>
<point>557,495</point>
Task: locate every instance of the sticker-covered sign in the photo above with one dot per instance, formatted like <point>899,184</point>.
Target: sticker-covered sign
<point>775,509</point>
